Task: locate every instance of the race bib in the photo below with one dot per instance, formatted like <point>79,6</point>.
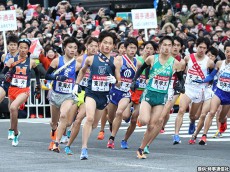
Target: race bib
<point>224,82</point>
<point>142,82</point>
<point>172,82</point>
<point>192,76</point>
<point>65,87</point>
<point>125,84</point>
<point>99,83</point>
<point>160,82</point>
<point>19,81</point>
<point>84,81</point>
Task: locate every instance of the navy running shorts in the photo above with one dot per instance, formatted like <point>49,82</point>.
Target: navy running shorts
<point>223,96</point>
<point>116,95</point>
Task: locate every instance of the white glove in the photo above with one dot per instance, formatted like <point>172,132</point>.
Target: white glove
<point>111,79</point>
<point>75,90</point>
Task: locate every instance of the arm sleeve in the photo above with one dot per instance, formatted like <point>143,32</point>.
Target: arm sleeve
<point>37,74</point>
<point>211,76</point>
<point>49,75</point>
<point>139,71</point>
<point>5,70</point>
<point>147,72</point>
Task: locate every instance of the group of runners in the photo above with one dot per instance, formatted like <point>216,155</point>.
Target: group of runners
<point>143,89</point>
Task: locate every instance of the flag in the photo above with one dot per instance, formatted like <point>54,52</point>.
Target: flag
<point>155,3</point>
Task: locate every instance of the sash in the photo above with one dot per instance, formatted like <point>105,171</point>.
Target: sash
<point>106,60</point>
<point>164,67</point>
<point>197,67</point>
<point>130,63</point>
<point>17,62</point>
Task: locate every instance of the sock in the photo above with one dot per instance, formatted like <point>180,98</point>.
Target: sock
<point>204,135</point>
<point>53,131</point>
<point>111,138</point>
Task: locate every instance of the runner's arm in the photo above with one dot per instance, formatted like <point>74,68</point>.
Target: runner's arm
<point>49,74</point>
<point>37,73</point>
<point>81,74</point>
<point>118,64</point>
<point>7,66</point>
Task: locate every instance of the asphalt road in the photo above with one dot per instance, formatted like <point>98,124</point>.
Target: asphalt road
<point>32,153</point>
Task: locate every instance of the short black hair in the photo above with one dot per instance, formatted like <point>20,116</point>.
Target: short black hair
<point>119,44</point>
<point>104,34</point>
<point>166,38</point>
<point>36,33</point>
<point>204,40</point>
<point>154,44</point>
<point>81,48</point>
<point>91,39</point>
<point>71,40</point>
<point>179,39</point>
<point>213,51</point>
<point>227,44</point>
<point>131,40</point>
<point>13,39</point>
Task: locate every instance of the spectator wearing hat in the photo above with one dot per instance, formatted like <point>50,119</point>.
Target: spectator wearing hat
<point>168,29</point>
<point>2,7</point>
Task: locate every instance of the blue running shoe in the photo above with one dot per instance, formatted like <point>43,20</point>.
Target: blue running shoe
<point>15,141</point>
<point>68,133</point>
<point>84,154</point>
<point>146,150</point>
<point>68,151</point>
<point>10,134</point>
<point>176,139</point>
<point>192,128</point>
<point>124,144</point>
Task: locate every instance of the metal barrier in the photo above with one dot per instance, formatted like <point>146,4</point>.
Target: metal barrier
<point>37,102</point>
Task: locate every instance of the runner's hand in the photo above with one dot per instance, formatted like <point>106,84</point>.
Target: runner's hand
<point>76,89</point>
<point>111,79</point>
<point>37,92</point>
<point>179,88</point>
<point>134,85</point>
<point>61,78</point>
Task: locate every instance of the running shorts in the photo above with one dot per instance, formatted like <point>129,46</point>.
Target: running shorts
<point>116,95</point>
<point>5,86</point>
<point>196,94</point>
<point>15,91</point>
<point>154,98</point>
<point>136,96</point>
<point>223,96</point>
<point>81,98</point>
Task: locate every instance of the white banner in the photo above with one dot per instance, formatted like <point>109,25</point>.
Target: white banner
<point>8,20</point>
<point>144,18</point>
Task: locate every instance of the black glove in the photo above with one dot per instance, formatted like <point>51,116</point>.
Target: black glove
<point>61,78</point>
<point>179,88</point>
<point>79,89</point>
<point>37,92</point>
<point>134,85</point>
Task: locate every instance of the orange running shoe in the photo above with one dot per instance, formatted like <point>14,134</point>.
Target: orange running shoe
<point>56,147</point>
<point>53,135</point>
<point>101,135</point>
<point>223,127</point>
<point>51,145</point>
<point>139,124</point>
<point>203,140</point>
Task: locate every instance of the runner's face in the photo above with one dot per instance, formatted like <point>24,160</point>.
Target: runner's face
<point>176,48</point>
<point>227,53</point>
<point>122,49</point>
<point>131,50</point>
<point>12,47</point>
<point>201,49</point>
<point>211,56</point>
<point>106,45</point>
<point>23,49</point>
<point>166,47</point>
<point>92,48</point>
<point>149,50</point>
<point>71,49</point>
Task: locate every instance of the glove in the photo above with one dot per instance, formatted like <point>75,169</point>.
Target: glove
<point>76,89</point>
<point>134,85</point>
<point>37,92</point>
<point>198,81</point>
<point>61,78</point>
<point>111,79</point>
<point>179,88</point>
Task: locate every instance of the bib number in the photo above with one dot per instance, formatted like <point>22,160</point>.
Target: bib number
<point>160,83</point>
<point>64,87</point>
<point>99,83</point>
<point>19,81</point>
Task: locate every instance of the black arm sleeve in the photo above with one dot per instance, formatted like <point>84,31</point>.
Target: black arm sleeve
<point>139,71</point>
<point>147,72</point>
<point>49,75</point>
<point>77,74</point>
<point>37,75</point>
<point>5,70</point>
<point>180,75</point>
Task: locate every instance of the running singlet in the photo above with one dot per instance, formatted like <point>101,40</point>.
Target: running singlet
<point>223,82</point>
<point>160,82</point>
<point>192,73</point>
<point>21,74</point>
<point>98,75</point>
<point>66,86</point>
<point>127,74</point>
<point>84,81</point>
<point>142,78</point>
<point>174,77</point>
<point>8,56</point>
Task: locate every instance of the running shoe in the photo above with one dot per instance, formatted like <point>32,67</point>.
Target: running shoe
<point>64,139</point>
<point>140,154</point>
<point>84,154</point>
<point>128,119</point>
<point>22,107</point>
<point>32,116</point>
<point>101,135</point>
<point>203,140</point>
<point>220,135</point>
<point>10,134</point>
<point>53,135</point>
<point>176,139</point>
<point>68,151</point>
<point>68,133</point>
<point>192,140</point>
<point>162,131</point>
<point>51,145</point>
<point>56,147</point>
<point>110,144</point>
<point>139,124</point>
<point>15,140</point>
<point>223,127</point>
<point>216,134</point>
<point>171,111</point>
<point>192,128</point>
<point>146,150</point>
<point>41,116</point>
<point>124,144</point>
